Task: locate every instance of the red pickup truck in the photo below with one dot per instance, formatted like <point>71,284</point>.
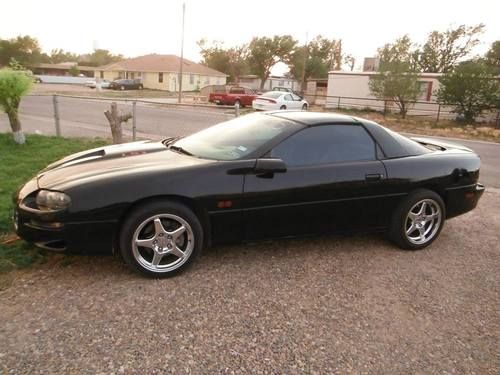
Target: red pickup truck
<point>235,95</point>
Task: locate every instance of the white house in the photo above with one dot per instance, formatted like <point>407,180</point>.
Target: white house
<point>351,90</point>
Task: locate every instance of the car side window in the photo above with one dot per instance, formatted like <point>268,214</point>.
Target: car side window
<point>296,97</point>
<point>326,144</point>
<point>288,97</point>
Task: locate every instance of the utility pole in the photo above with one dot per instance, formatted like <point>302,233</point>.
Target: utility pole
<point>182,52</point>
<point>306,52</point>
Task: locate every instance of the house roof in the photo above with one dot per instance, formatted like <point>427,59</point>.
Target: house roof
<point>160,63</point>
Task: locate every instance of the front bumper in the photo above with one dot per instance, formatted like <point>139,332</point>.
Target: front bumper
<point>56,230</point>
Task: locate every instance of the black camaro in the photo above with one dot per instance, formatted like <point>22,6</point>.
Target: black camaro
<point>259,176</point>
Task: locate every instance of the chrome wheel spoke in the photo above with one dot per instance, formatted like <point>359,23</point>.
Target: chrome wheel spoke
<point>178,232</point>
<point>411,229</point>
<point>148,242</point>
<point>177,252</point>
<point>156,259</point>
<point>158,227</point>
<point>422,208</point>
<point>421,232</point>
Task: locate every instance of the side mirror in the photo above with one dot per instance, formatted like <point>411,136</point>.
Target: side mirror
<point>269,166</point>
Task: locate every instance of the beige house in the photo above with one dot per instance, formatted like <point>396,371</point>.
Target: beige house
<point>161,72</point>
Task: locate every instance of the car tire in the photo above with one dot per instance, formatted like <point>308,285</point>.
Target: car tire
<point>140,87</point>
<point>418,220</point>
<point>171,235</point>
<point>283,107</point>
<point>304,107</point>
<point>122,87</point>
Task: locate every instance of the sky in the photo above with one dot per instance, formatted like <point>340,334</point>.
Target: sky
<point>134,28</point>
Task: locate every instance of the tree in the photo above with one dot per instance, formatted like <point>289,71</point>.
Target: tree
<point>397,79</point>
<point>471,88</point>
<point>58,56</point>
<point>320,56</point>
<point>74,71</point>
<point>397,84</point>
<point>443,50</point>
<point>13,86</point>
<point>492,57</point>
<point>98,58</point>
<point>232,61</point>
<point>264,53</point>
<point>24,49</point>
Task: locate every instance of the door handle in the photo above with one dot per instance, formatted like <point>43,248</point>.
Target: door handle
<point>374,177</point>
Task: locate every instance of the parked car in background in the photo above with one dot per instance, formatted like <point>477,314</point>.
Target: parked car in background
<point>286,89</point>
<point>126,84</point>
<point>93,84</point>
<point>273,100</point>
<point>259,176</point>
<point>241,96</point>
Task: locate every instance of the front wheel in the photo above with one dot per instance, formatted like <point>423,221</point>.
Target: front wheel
<point>304,107</point>
<point>122,88</point>
<point>418,220</point>
<point>283,107</point>
<point>161,239</point>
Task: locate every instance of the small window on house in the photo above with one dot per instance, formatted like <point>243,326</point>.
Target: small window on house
<point>191,79</point>
<point>160,77</point>
<point>101,74</point>
<point>281,83</point>
<point>132,75</point>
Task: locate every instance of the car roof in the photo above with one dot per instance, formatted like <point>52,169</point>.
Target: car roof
<point>314,118</point>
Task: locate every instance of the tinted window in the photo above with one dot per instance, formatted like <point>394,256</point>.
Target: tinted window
<point>326,144</point>
<point>288,97</point>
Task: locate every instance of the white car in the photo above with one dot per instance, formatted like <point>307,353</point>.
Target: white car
<point>273,100</point>
<point>92,84</point>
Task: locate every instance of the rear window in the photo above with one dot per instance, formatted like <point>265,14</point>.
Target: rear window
<point>272,94</point>
<point>237,91</point>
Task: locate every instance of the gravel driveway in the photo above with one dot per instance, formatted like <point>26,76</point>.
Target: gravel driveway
<point>327,305</point>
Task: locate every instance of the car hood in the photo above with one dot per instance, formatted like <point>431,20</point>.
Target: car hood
<point>104,162</point>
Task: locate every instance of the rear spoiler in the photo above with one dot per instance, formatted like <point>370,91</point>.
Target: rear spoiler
<point>444,145</point>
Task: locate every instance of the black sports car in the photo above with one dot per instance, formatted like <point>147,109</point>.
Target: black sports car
<point>259,176</point>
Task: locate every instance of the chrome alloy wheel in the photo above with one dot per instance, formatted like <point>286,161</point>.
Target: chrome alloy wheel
<point>423,221</point>
<point>163,243</point>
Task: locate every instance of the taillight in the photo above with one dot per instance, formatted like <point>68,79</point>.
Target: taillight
<point>268,100</point>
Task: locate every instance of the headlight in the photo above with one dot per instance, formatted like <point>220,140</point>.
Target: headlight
<point>47,200</point>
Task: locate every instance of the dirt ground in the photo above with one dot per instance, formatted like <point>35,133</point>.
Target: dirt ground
<point>323,305</point>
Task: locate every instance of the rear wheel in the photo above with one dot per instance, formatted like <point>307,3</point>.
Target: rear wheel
<point>304,107</point>
<point>418,220</point>
<point>283,107</point>
<point>161,238</point>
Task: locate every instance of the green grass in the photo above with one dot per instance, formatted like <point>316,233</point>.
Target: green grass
<point>18,163</point>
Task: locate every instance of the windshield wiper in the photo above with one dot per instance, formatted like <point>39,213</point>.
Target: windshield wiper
<point>180,150</point>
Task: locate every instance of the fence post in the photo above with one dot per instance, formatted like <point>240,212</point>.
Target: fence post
<point>134,121</point>
<point>497,122</point>
<point>236,109</point>
<point>56,115</point>
<point>439,113</point>
<point>338,103</point>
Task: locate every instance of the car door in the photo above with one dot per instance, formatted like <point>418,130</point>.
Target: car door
<point>297,101</point>
<point>333,182</point>
<point>288,101</point>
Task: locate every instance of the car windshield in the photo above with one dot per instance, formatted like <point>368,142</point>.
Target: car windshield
<point>272,94</point>
<point>234,139</point>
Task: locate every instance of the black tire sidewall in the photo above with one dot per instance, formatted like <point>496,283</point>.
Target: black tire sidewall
<point>397,227</point>
<point>141,213</point>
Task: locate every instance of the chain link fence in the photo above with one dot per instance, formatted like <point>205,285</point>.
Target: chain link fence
<point>75,116</point>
